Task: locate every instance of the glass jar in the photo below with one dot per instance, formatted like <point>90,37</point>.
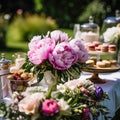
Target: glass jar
<point>4,65</point>
<point>89,31</point>
<point>77,32</point>
<point>19,59</point>
<point>4,71</point>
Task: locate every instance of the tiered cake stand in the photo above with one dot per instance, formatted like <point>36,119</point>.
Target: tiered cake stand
<point>95,73</point>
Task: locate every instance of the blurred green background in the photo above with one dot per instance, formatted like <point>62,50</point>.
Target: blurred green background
<point>20,20</point>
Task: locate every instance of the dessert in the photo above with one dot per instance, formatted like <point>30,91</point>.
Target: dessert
<point>107,63</point>
<point>91,47</point>
<point>20,75</point>
<point>100,64</point>
<point>89,36</point>
<point>112,48</point>
<point>96,43</point>
<point>98,48</point>
<point>104,48</point>
<point>90,63</point>
<point>113,63</point>
<point>94,59</point>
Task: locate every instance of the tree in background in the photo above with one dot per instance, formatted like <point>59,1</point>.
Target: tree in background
<point>69,12</point>
<point>65,12</point>
<point>110,6</point>
<point>12,6</point>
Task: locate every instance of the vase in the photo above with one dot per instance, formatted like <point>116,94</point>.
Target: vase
<point>51,81</point>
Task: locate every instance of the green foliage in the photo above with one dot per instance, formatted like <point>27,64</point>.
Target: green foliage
<point>65,12</point>
<point>63,76</point>
<point>3,25</point>
<point>24,28</point>
<point>95,8</point>
<point>38,5</point>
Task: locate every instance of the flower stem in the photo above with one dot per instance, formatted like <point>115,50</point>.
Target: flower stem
<point>48,94</point>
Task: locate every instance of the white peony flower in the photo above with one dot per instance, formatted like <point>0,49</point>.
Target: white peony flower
<point>111,34</point>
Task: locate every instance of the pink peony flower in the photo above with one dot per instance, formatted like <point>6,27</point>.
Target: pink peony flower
<point>59,35</point>
<point>41,50</point>
<point>30,104</point>
<point>34,42</point>
<point>63,56</point>
<point>82,52</point>
<point>50,107</point>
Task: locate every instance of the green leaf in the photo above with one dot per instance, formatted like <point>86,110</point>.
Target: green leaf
<point>40,76</point>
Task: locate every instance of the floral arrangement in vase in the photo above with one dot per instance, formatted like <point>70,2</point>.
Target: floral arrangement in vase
<point>57,59</point>
<point>56,55</point>
<point>81,102</point>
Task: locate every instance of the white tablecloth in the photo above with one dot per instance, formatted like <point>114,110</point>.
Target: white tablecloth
<point>112,87</point>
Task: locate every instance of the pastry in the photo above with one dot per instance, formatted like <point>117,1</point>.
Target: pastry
<point>94,59</point>
<point>98,48</point>
<point>112,48</point>
<point>113,63</point>
<point>90,63</point>
<point>91,47</point>
<point>100,64</point>
<point>96,43</point>
<point>104,48</point>
<point>107,63</point>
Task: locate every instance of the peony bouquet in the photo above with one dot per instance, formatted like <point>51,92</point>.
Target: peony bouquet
<point>57,53</point>
<point>71,101</point>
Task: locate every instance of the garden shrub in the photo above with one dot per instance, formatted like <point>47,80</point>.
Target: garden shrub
<point>24,28</point>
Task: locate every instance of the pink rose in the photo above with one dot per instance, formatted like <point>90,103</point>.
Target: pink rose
<point>82,52</point>
<point>59,35</point>
<point>30,104</point>
<point>41,50</point>
<point>50,107</point>
<point>63,56</point>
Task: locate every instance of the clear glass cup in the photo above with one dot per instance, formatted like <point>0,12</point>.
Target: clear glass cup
<point>19,59</point>
<point>76,28</point>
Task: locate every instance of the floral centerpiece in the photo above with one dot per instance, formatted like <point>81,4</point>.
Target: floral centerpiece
<point>80,101</point>
<point>56,56</point>
<point>56,59</point>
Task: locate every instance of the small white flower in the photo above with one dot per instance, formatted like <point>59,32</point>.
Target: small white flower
<point>61,87</point>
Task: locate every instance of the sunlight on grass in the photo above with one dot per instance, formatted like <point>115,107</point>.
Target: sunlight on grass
<point>69,31</point>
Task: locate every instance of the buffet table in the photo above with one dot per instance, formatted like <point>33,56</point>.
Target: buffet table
<point>112,87</point>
